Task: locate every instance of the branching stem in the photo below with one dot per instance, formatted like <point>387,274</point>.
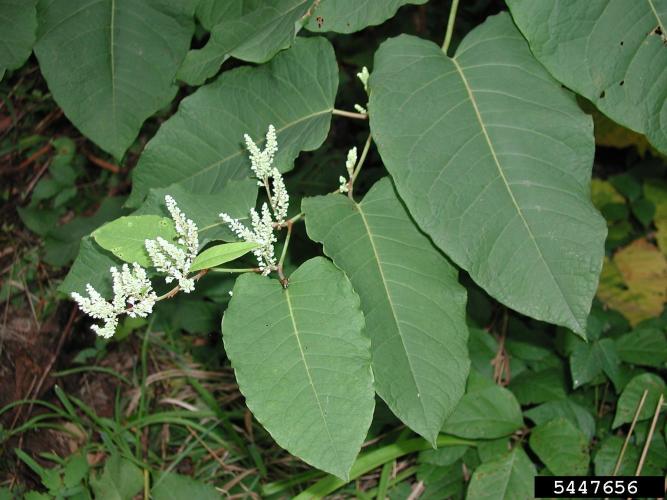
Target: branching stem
<point>171,293</point>
<point>350,114</point>
<point>360,163</point>
<point>450,25</point>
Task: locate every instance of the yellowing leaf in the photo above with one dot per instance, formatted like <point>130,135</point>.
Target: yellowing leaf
<point>656,192</point>
<point>610,134</point>
<point>634,282</point>
<point>603,193</point>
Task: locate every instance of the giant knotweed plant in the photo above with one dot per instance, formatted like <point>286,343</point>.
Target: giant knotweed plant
<point>481,165</point>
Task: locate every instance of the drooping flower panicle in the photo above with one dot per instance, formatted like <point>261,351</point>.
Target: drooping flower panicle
<point>173,259</point>
<point>133,295</point>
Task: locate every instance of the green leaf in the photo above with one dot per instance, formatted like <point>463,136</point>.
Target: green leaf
<point>201,147</point>
<point>110,64</point>
<point>172,486</point>
<point>590,360</point>
<point>561,446</point>
<point>92,266</point>
<point>491,449</point>
<point>508,477</point>
<point>531,387</point>
<point>235,198</point>
<point>18,28</point>
<point>348,16</point>
<point>120,480</point>
<point>303,363</point>
<point>76,469</point>
<point>61,243</point>
<point>606,457</point>
<point>220,254</point>
<point>486,413</point>
<point>643,346</point>
<point>253,35</point>
<point>447,455</point>
<point>493,160</point>
<point>411,298</point>
<point>125,237</point>
<point>630,397</point>
<point>575,413</point>
<point>610,51</point>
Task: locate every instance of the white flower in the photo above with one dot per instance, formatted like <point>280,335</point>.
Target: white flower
<point>261,161</point>
<point>185,228</point>
<point>134,288</point>
<point>344,186</point>
<point>131,287</point>
<point>96,307</point>
<point>351,161</point>
<point>279,198</point>
<point>175,259</point>
<point>363,76</point>
<point>261,233</point>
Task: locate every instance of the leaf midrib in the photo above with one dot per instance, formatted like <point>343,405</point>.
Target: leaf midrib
<point>391,306</point>
<point>496,161</point>
<point>241,151</point>
<point>112,61</point>
<point>655,13</point>
<point>310,378</point>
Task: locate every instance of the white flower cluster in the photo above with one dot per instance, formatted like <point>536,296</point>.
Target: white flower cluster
<point>133,295</point>
<point>175,260</point>
<point>261,233</point>
<point>349,166</point>
<point>363,76</point>
<point>261,163</point>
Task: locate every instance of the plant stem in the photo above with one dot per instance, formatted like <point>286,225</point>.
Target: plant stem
<point>350,114</point>
<point>360,163</point>
<point>450,25</point>
<point>287,238</point>
<point>294,219</point>
<point>372,459</point>
<point>234,270</point>
<point>177,288</point>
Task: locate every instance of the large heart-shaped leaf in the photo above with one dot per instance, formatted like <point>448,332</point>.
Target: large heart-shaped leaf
<point>110,64</point>
<point>18,28</point>
<point>493,159</point>
<point>201,146</point>
<point>348,16</point>
<point>303,363</point>
<point>413,303</point>
<point>610,51</point>
<point>253,34</point>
